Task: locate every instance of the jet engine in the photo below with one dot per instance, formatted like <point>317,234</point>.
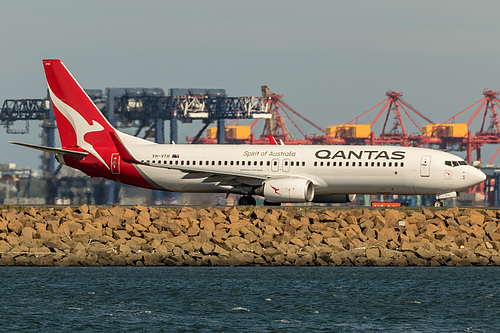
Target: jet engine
<point>287,190</point>
<point>334,198</point>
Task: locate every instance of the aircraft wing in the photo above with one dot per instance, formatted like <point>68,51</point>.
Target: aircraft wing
<point>216,176</point>
<point>230,178</point>
<point>72,153</point>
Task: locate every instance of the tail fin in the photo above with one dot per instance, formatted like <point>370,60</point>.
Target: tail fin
<point>79,121</point>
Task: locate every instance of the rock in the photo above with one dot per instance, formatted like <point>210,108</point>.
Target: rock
<point>121,234</point>
<point>129,214</point>
<point>476,219</point>
<point>335,243</point>
<point>297,242</point>
<point>15,226</point>
<point>244,259</point>
<point>372,253</point>
<point>117,211</point>
<point>213,236</point>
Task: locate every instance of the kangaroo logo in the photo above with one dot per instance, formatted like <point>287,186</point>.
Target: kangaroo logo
<point>80,125</point>
<point>276,190</point>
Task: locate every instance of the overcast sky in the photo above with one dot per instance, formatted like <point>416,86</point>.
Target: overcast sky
<point>332,60</point>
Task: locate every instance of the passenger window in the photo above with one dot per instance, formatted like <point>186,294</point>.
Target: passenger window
<point>170,162</point>
<point>275,163</point>
<point>346,163</point>
<point>187,162</point>
<point>340,163</point>
<point>395,164</point>
<point>327,163</point>
<point>373,164</point>
<point>320,163</point>
<point>390,164</point>
<point>261,163</point>
<point>334,163</point>
<point>303,163</point>
<point>254,162</point>
<point>384,164</point>
<point>360,164</point>
<point>213,162</point>
<point>402,164</point>
<point>237,162</point>
<point>315,163</point>
<point>225,162</point>
<point>366,164</point>
<point>220,162</point>
<point>182,162</point>
<point>378,164</point>
<point>176,162</point>
<point>268,163</point>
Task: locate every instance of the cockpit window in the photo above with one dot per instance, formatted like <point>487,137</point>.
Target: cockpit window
<point>454,163</point>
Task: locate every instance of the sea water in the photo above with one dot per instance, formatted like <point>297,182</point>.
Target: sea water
<point>250,299</point>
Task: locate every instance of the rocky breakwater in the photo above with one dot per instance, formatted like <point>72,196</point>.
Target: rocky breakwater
<point>147,236</point>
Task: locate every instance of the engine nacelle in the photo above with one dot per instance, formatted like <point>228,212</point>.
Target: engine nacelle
<point>288,190</point>
<point>334,198</point>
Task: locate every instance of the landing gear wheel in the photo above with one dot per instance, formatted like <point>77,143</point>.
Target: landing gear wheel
<point>246,200</point>
<point>268,203</point>
<point>438,203</point>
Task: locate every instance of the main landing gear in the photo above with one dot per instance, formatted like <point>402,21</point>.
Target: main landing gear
<point>246,200</point>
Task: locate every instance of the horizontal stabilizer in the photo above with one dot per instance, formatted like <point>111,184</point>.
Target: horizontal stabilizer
<point>52,150</point>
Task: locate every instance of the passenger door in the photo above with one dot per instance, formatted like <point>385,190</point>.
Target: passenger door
<point>425,166</point>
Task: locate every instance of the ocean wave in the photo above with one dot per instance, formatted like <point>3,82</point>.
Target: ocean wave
<point>239,308</point>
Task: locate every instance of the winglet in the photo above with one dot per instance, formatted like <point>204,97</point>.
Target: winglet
<point>122,150</point>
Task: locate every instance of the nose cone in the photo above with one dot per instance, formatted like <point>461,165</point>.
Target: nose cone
<point>476,176</point>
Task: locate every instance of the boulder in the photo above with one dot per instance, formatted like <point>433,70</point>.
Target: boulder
<point>15,226</point>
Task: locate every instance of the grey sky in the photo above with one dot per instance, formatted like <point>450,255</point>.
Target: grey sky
<point>331,60</point>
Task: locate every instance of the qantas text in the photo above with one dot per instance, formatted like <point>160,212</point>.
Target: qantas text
<point>369,154</point>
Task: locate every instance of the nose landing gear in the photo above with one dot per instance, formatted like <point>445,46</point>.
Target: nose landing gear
<point>438,203</point>
<point>439,198</point>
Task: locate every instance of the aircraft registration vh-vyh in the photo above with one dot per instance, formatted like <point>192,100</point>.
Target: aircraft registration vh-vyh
<point>278,173</point>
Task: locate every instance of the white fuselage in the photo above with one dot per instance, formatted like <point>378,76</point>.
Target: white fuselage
<point>332,169</point>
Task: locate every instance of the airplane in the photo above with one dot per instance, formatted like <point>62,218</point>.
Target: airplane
<point>278,173</point>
